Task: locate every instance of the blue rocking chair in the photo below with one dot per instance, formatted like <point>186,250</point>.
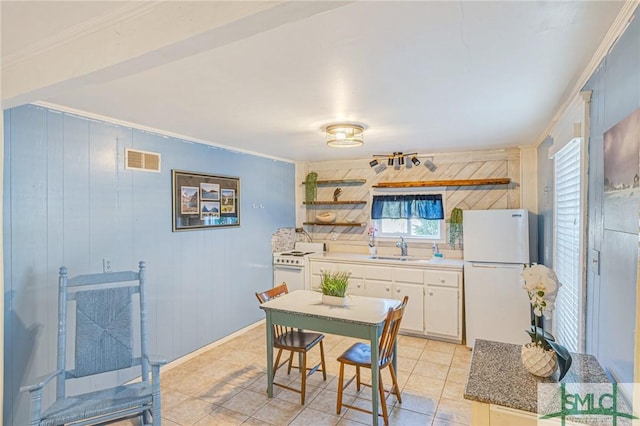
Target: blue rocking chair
<point>104,336</point>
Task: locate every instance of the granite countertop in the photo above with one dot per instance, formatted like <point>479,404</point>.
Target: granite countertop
<point>440,263</point>
<point>497,376</point>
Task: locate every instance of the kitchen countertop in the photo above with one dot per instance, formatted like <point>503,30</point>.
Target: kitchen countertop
<point>390,260</point>
<point>497,376</point>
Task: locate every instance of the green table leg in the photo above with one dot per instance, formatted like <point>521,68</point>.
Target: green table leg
<point>375,374</point>
<point>269,355</point>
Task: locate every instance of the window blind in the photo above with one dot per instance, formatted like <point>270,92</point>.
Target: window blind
<point>568,245</point>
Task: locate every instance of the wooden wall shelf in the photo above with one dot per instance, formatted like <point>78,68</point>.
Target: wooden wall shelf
<point>455,182</point>
<point>332,202</point>
<point>358,225</point>
<point>340,182</point>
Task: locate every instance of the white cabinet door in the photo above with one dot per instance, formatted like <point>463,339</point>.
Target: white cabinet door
<point>442,312</point>
<point>413,318</point>
<point>356,287</point>
<point>377,288</point>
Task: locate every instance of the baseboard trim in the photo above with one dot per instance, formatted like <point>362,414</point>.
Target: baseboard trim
<point>188,357</point>
<point>185,358</point>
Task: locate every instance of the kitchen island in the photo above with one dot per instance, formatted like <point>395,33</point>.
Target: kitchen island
<point>505,393</point>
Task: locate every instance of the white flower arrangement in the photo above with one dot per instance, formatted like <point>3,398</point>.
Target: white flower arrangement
<point>541,284</point>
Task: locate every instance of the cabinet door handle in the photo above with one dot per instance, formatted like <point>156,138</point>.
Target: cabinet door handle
<point>388,289</point>
<point>442,280</point>
<point>430,293</point>
<point>398,290</point>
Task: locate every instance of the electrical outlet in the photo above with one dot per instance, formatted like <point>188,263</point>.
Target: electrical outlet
<point>106,264</point>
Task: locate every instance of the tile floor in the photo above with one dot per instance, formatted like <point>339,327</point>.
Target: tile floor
<point>227,386</point>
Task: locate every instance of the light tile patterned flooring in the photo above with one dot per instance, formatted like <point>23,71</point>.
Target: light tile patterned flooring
<point>227,386</point>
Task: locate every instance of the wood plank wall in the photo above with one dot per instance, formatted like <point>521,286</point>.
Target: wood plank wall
<point>68,200</point>
<point>462,165</point>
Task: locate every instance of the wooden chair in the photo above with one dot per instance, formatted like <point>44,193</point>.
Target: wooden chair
<point>104,342</point>
<point>359,355</point>
<point>294,341</point>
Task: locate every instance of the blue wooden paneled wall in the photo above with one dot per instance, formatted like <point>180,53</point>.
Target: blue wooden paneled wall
<point>612,312</point>
<point>68,200</point>
<point>611,294</point>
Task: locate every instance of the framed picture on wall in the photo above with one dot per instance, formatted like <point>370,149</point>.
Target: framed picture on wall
<point>202,201</point>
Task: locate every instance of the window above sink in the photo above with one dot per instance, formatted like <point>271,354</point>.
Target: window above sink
<point>417,214</point>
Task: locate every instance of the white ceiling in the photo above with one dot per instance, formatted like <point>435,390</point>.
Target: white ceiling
<point>421,76</point>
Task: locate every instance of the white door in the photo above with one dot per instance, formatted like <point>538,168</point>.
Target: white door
<point>442,311</point>
<point>413,318</point>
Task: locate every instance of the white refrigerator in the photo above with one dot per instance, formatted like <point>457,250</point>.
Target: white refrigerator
<point>497,243</point>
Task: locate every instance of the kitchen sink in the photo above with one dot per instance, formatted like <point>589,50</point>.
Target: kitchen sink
<point>397,258</point>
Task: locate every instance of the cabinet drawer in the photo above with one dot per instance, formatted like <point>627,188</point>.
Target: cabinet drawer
<point>442,278</point>
<point>407,275</point>
<point>379,273</point>
<point>355,271</point>
<point>318,267</point>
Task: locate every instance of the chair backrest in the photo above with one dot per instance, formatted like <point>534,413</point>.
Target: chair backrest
<point>270,294</point>
<point>104,324</point>
<point>390,332</point>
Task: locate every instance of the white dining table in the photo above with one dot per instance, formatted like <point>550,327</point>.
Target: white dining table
<point>362,317</point>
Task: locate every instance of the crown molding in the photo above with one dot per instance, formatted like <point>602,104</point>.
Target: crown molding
<point>164,133</point>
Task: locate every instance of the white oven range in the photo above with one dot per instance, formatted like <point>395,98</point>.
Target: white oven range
<point>291,266</point>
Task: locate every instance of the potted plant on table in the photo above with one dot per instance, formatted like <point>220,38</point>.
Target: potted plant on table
<point>542,355</point>
<point>334,287</point>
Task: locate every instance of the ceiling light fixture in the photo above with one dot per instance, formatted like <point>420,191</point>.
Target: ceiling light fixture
<point>345,135</point>
<point>415,161</point>
<point>373,163</point>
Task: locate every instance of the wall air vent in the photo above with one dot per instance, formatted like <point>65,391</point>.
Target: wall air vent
<point>142,160</point>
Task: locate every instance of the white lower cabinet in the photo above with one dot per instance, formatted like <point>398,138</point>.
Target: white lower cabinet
<point>377,288</point>
<point>356,287</point>
<point>355,271</point>
<point>410,282</point>
<point>413,319</point>
<point>442,311</point>
<point>435,296</point>
<point>443,304</point>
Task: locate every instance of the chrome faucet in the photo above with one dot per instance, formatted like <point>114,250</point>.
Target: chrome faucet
<point>403,246</point>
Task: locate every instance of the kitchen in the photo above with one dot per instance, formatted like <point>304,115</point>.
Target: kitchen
<point>47,151</point>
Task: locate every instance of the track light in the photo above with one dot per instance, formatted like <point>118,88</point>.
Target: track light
<point>397,159</point>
